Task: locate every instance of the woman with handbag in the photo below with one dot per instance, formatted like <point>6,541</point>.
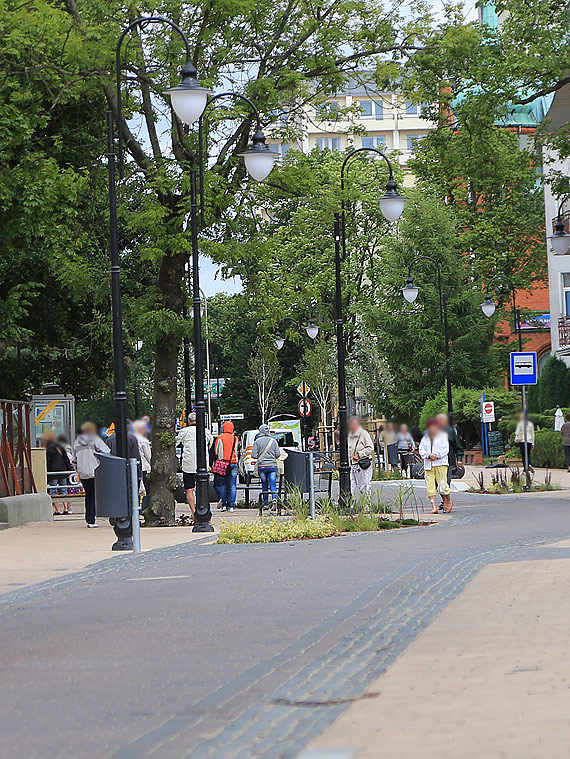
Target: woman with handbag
<point>266,454</point>
<point>360,452</point>
<point>225,467</point>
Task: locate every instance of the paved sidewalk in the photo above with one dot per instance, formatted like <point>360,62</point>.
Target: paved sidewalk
<point>488,678</point>
<point>41,551</point>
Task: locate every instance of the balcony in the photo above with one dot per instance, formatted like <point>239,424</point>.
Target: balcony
<point>564,332</point>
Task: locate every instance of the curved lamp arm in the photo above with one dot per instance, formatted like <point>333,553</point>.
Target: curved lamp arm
<point>437,265</point>
<point>187,71</point>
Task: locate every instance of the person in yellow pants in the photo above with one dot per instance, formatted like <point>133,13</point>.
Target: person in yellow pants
<point>434,450</point>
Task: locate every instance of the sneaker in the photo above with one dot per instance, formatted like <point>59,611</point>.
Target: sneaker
<point>92,525</point>
<point>221,508</point>
<point>232,509</point>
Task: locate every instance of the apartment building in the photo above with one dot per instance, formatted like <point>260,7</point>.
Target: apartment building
<point>362,116</point>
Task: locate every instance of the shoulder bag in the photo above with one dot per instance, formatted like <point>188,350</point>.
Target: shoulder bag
<point>221,465</point>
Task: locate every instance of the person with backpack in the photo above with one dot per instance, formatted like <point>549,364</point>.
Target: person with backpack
<point>225,467</point>
<point>266,453</point>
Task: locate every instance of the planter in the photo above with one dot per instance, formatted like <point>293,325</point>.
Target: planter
<point>473,456</point>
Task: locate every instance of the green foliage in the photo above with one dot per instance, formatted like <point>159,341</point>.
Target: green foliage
<point>466,408</point>
<point>318,370</point>
<point>275,531</point>
<point>553,387</point>
<point>548,451</point>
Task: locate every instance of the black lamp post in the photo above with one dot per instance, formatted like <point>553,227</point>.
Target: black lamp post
<point>259,161</point>
<point>391,205</point>
<point>410,292</point>
<point>488,306</point>
<point>191,98</point>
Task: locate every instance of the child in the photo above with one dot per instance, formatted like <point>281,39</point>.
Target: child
<point>434,450</point>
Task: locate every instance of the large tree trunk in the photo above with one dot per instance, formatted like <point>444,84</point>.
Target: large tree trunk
<point>163,477</point>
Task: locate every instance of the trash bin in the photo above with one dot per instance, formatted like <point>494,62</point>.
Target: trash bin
<point>111,487</point>
<point>297,469</point>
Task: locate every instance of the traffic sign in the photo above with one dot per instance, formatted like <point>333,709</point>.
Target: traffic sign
<point>303,389</point>
<point>524,368</point>
<point>305,407</point>
<point>488,411</point>
<point>231,417</point>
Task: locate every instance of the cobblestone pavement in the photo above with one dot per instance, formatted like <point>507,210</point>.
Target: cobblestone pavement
<point>202,650</point>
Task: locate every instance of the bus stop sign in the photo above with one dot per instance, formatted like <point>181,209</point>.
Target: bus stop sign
<point>524,368</point>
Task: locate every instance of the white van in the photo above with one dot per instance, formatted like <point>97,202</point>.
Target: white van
<point>287,436</point>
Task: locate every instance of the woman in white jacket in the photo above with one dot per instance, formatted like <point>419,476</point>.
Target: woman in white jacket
<point>434,450</point>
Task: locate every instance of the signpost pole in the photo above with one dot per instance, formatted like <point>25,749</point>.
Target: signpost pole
<point>525,438</point>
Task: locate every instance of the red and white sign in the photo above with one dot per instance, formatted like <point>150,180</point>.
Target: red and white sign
<point>488,411</point>
<point>305,407</point>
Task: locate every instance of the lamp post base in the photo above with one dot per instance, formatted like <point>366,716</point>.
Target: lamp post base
<point>203,527</point>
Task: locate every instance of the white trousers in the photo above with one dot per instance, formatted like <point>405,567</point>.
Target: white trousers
<point>360,479</point>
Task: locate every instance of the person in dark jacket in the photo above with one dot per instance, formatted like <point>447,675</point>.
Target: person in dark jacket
<point>58,464</point>
<point>133,451</point>
<point>455,456</point>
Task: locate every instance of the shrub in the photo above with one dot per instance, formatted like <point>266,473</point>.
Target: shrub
<point>275,531</point>
<point>548,451</point>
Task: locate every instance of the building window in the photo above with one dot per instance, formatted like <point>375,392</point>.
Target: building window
<point>368,142</point>
<point>274,147</point>
<point>566,288</point>
<point>285,147</point>
<point>366,109</point>
<point>332,143</point>
<point>413,140</point>
<point>411,108</point>
<point>379,109</point>
<point>381,141</point>
<point>328,111</point>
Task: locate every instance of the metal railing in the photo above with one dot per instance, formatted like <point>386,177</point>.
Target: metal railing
<point>16,475</point>
<point>564,331</point>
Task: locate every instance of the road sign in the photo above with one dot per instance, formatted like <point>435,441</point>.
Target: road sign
<point>488,411</point>
<point>524,368</point>
<point>303,389</point>
<point>305,407</point>
<point>231,417</point>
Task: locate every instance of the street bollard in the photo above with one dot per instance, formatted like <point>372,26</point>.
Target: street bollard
<point>312,484</point>
<point>134,493</point>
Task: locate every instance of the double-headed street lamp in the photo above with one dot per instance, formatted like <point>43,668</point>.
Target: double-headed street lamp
<point>391,206</point>
<point>189,100</point>
<point>410,291</point>
<point>488,306</point>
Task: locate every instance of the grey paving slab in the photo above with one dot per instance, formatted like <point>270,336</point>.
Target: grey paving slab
<point>246,651</point>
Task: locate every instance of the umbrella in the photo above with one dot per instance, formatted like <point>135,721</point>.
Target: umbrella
<point>558,419</point>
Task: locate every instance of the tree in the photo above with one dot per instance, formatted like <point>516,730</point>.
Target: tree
<point>265,372</point>
<point>318,370</point>
<point>288,54</point>
<point>553,388</point>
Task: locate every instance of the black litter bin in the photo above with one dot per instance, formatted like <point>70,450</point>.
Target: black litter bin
<point>111,487</point>
<point>297,469</point>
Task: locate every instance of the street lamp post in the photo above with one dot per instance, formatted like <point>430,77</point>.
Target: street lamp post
<point>138,346</point>
<point>391,206</point>
<point>189,95</point>
<point>410,292</point>
<point>560,240</point>
<point>259,161</point>
<point>488,306</point>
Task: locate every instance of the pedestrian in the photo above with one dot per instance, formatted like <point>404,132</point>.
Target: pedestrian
<point>187,439</point>
<point>225,467</point>
<point>86,445</point>
<point>360,452</point>
<point>565,432</point>
<point>455,447</point>
<point>519,440</point>
<point>434,450</point>
<point>265,455</point>
<point>133,450</point>
<point>58,466</point>
<point>388,439</point>
<point>406,445</point>
<point>140,431</point>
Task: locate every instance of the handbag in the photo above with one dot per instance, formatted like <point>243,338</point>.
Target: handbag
<point>221,466</point>
<point>364,462</point>
<point>256,467</point>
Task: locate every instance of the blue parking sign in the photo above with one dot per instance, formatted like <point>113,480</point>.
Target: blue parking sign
<point>524,369</point>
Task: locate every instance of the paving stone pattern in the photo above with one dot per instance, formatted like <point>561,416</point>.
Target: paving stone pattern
<point>247,651</point>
